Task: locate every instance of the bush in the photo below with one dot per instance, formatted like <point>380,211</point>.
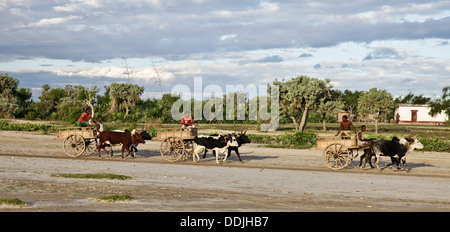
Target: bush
<point>435,144</point>
<point>307,139</point>
<point>298,138</point>
<point>28,127</point>
<point>12,201</point>
<point>31,115</point>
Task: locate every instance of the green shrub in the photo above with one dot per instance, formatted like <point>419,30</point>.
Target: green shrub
<point>298,138</point>
<point>435,144</point>
<point>28,127</point>
<point>293,139</point>
<point>12,201</point>
<point>31,115</point>
<point>115,198</point>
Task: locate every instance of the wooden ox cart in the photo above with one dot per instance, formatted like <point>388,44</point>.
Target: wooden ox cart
<point>338,153</point>
<point>176,143</point>
<point>78,140</point>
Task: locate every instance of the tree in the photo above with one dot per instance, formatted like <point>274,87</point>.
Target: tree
<point>76,99</point>
<point>24,101</point>
<point>49,100</point>
<point>104,102</point>
<point>8,89</point>
<point>165,107</point>
<point>350,100</point>
<point>300,95</point>
<point>413,99</point>
<point>442,104</point>
<point>375,103</point>
<point>160,82</point>
<point>123,96</point>
<point>330,105</point>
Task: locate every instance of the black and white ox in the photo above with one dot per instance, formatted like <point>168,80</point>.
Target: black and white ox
<point>219,145</point>
<point>397,149</point>
<point>241,139</point>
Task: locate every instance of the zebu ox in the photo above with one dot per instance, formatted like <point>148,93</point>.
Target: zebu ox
<point>133,148</point>
<point>397,149</point>
<point>241,139</point>
<point>125,138</point>
<point>219,145</point>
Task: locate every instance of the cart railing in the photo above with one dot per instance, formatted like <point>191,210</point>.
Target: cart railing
<point>86,132</point>
<point>323,141</point>
<point>177,132</point>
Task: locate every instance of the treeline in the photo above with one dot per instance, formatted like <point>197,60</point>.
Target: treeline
<point>302,99</point>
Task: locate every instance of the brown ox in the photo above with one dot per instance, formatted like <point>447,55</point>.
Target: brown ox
<point>125,138</point>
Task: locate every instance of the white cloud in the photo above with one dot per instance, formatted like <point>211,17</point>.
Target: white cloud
<point>147,73</point>
<point>228,36</point>
<point>77,6</point>
<point>274,39</point>
<point>50,21</point>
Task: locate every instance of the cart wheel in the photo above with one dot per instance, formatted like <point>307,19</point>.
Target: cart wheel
<point>336,156</point>
<point>74,145</point>
<point>91,146</point>
<point>188,149</point>
<point>172,149</point>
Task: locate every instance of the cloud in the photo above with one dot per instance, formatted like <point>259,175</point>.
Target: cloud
<point>267,59</point>
<point>383,53</point>
<point>271,59</point>
<point>96,30</point>
<point>306,55</point>
<point>114,72</point>
<point>229,41</point>
<point>50,21</point>
<point>229,36</point>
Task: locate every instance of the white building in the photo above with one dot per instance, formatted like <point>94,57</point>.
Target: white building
<point>418,113</point>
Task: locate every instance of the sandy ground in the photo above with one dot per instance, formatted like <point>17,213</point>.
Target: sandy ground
<point>269,180</point>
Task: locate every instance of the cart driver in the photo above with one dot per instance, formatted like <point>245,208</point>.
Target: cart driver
<point>345,128</point>
<point>187,122</point>
<point>82,121</point>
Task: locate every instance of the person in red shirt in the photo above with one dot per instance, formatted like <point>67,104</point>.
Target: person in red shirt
<point>82,121</point>
<point>187,122</point>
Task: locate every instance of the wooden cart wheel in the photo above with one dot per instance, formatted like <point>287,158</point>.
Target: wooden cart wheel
<point>74,145</point>
<point>172,149</point>
<point>91,146</point>
<point>337,156</point>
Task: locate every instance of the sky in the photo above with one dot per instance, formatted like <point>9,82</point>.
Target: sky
<point>400,46</point>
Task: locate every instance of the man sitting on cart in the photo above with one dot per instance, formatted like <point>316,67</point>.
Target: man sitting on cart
<point>187,122</point>
<point>361,141</point>
<point>345,127</point>
<point>82,121</point>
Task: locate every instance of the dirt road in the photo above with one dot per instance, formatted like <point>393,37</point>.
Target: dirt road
<point>268,180</point>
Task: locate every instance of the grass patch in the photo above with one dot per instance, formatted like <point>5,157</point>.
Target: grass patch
<point>91,176</point>
<point>12,201</point>
<point>115,198</point>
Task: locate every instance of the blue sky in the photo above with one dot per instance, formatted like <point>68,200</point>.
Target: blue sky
<point>400,46</point>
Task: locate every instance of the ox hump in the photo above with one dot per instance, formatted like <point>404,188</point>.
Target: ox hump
<point>403,141</point>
